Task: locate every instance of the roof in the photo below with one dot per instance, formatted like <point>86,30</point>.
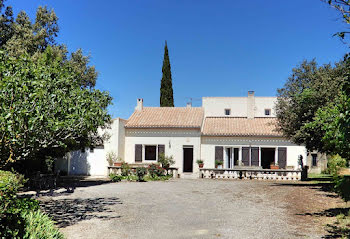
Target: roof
<point>166,117</point>
<point>240,126</point>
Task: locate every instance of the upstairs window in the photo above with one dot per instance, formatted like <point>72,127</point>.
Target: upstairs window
<point>227,112</point>
<point>267,111</point>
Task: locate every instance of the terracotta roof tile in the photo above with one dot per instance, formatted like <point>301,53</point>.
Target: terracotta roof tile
<point>166,117</point>
<point>240,126</point>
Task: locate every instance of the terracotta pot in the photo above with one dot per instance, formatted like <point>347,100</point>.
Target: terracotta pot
<point>274,167</point>
<point>118,164</point>
<point>201,165</point>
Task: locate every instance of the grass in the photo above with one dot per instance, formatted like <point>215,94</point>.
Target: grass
<point>320,178</point>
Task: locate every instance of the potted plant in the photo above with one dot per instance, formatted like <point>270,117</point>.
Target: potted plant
<point>274,166</point>
<point>218,164</point>
<point>111,157</point>
<point>200,163</point>
<point>118,162</point>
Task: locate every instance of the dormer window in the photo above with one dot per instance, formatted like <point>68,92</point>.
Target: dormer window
<point>267,112</point>
<point>227,111</point>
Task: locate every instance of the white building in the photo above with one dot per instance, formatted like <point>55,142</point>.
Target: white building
<point>239,131</point>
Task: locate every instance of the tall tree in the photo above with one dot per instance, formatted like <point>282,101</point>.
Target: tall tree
<point>166,86</point>
<point>309,88</point>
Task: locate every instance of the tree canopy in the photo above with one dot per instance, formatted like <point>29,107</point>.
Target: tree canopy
<point>309,88</point>
<point>44,109</point>
<point>166,87</point>
<point>19,35</point>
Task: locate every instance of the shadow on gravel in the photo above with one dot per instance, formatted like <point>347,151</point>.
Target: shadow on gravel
<point>66,212</point>
<point>322,186</point>
<point>335,230</point>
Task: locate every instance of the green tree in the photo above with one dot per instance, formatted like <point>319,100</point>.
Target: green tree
<point>309,88</point>
<point>166,86</point>
<point>44,111</point>
<point>22,36</point>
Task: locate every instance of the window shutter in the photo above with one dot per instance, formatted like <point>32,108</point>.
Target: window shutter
<point>255,156</point>
<point>219,153</point>
<point>161,149</point>
<point>138,152</point>
<point>245,156</point>
<point>282,157</point>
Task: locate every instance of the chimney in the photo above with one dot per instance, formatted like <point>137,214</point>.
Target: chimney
<point>189,104</point>
<point>251,105</point>
<point>139,105</point>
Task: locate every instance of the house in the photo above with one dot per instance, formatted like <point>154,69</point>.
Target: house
<point>237,131</point>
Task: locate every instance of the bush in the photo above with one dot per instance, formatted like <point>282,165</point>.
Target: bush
<point>125,169</point>
<point>14,222</point>
<point>155,170</point>
<point>342,187</point>
<point>115,178</point>
<point>39,225</point>
<point>335,163</point>
<point>140,173</point>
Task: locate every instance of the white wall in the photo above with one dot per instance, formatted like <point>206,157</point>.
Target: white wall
<point>116,141</point>
<point>173,139</point>
<point>215,106</point>
<point>209,143</point>
<point>92,163</point>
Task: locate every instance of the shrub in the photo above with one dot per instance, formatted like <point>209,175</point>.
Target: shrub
<point>342,187</point>
<point>155,170</point>
<point>335,163</point>
<point>115,178</point>
<point>14,211</point>
<point>140,173</point>
<point>39,225</point>
<point>125,169</point>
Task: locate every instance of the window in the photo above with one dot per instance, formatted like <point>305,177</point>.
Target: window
<point>314,160</point>
<point>267,111</point>
<point>227,111</point>
<point>150,153</point>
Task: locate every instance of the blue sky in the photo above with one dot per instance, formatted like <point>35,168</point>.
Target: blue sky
<point>217,48</point>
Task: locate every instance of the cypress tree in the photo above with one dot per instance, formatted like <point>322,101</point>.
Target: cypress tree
<point>166,86</point>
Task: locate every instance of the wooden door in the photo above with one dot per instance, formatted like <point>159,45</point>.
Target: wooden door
<point>188,160</point>
<point>282,157</point>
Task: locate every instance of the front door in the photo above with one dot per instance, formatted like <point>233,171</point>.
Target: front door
<point>188,159</point>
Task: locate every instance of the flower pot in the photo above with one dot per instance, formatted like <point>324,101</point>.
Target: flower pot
<point>274,167</point>
<point>118,164</point>
<point>200,165</point>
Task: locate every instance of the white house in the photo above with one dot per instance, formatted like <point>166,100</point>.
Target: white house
<point>239,131</point>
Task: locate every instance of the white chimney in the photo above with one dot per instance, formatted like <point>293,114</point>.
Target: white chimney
<point>139,105</point>
<point>189,104</point>
<point>251,105</point>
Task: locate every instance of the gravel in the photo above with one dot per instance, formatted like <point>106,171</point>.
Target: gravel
<point>197,208</point>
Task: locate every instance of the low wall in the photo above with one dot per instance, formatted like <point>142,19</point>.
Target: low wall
<point>259,174</point>
<point>118,170</point>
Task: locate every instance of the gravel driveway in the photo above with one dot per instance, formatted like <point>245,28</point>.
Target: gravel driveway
<point>178,208</point>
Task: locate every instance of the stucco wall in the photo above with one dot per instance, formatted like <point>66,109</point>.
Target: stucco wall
<point>173,139</point>
<point>209,143</point>
<point>215,106</point>
<point>116,141</point>
<point>321,162</point>
<point>92,163</point>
